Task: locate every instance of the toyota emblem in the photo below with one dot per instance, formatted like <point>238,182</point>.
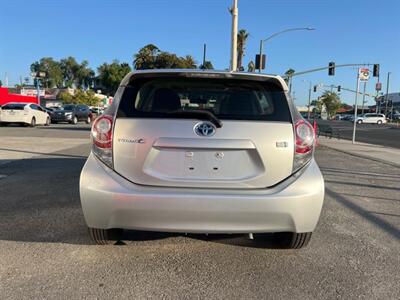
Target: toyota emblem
<point>204,129</point>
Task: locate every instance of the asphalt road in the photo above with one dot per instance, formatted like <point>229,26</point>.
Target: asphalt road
<point>385,135</point>
<point>45,251</point>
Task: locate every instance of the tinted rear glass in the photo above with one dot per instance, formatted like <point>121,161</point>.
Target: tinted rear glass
<point>13,106</point>
<point>231,99</point>
<point>69,107</point>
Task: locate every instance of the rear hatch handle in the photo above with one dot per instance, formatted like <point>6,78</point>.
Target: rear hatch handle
<point>197,114</point>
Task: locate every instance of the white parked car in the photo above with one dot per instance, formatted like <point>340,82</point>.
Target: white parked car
<point>24,113</point>
<point>371,119</point>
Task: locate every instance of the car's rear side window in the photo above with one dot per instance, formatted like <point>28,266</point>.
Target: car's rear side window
<point>13,106</point>
<point>232,99</point>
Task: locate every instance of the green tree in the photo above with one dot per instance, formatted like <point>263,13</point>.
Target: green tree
<point>331,101</point>
<point>76,74</point>
<point>51,68</point>
<point>145,58</point>
<point>188,62</point>
<point>110,75</point>
<point>207,65</point>
<point>84,75</point>
<point>151,57</point>
<point>66,97</point>
<point>79,97</point>
<point>242,37</point>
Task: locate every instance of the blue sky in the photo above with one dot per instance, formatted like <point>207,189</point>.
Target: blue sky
<point>352,31</point>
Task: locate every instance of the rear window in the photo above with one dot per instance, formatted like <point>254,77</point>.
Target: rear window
<point>69,107</point>
<point>231,99</point>
<point>13,106</point>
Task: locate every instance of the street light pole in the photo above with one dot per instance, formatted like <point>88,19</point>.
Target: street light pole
<point>261,51</point>
<point>355,108</point>
<point>363,101</point>
<point>234,12</point>
<point>387,93</point>
<point>274,35</point>
<point>309,101</point>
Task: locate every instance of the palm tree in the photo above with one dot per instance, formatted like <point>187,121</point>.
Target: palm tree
<point>189,62</point>
<point>146,56</point>
<point>242,37</point>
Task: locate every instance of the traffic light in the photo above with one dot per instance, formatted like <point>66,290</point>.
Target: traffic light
<point>339,88</point>
<point>376,70</point>
<point>331,70</point>
<point>315,88</point>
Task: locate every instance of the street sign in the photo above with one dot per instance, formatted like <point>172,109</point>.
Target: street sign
<point>264,59</point>
<point>378,86</point>
<point>363,74</point>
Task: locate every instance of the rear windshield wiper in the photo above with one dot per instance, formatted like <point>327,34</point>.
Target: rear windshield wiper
<point>198,114</point>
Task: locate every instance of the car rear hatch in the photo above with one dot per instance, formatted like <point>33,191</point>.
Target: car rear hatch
<point>181,131</point>
<point>13,112</point>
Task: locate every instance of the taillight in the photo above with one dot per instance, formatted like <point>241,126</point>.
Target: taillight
<point>304,143</point>
<point>102,139</point>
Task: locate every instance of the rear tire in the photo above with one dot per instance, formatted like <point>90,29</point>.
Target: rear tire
<point>105,236</point>
<point>88,120</point>
<point>33,122</point>
<point>379,122</point>
<point>359,122</point>
<point>293,240</point>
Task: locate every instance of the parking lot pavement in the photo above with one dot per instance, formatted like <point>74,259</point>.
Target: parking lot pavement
<point>45,251</point>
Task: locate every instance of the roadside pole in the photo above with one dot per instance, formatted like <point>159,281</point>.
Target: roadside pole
<point>363,99</point>
<point>309,101</point>
<point>387,93</point>
<point>355,108</point>
<point>38,90</point>
<point>234,12</point>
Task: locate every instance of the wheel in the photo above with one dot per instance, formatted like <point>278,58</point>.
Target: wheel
<point>74,120</point>
<point>88,120</point>
<point>105,236</point>
<point>359,122</point>
<point>33,122</point>
<point>293,240</point>
<point>379,122</point>
<point>47,122</point>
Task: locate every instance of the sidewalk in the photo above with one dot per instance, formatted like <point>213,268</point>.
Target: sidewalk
<point>374,152</point>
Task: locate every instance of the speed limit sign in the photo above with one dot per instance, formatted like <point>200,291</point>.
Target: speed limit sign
<point>363,74</point>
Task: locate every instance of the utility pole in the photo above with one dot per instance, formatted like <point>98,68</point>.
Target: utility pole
<point>387,93</point>
<point>309,101</point>
<point>234,13</point>
<point>363,101</point>
<point>355,108</point>
<point>204,54</point>
<point>261,52</point>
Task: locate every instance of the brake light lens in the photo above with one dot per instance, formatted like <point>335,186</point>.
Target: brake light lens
<point>304,143</point>
<point>102,139</point>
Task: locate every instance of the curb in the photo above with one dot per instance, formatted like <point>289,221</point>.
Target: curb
<point>363,156</point>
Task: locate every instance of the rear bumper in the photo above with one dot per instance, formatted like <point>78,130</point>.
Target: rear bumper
<point>19,119</point>
<point>110,201</point>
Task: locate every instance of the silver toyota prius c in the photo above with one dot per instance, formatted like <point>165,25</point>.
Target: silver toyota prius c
<point>199,151</point>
